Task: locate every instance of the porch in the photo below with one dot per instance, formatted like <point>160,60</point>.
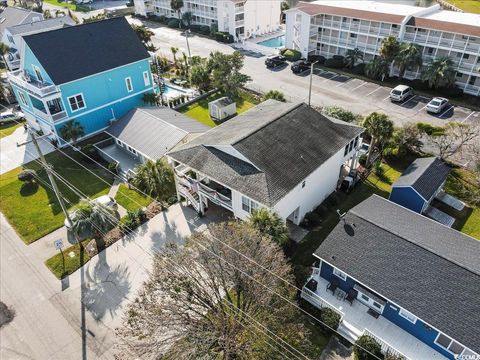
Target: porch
<point>357,320</point>
<point>27,82</point>
<point>110,151</point>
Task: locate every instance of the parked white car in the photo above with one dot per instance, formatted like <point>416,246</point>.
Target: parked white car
<point>436,105</point>
<point>363,149</point>
<point>10,116</point>
<point>400,93</point>
<point>104,200</point>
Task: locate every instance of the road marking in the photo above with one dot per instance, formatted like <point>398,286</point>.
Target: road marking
<point>336,75</point>
<point>344,82</point>
<point>422,108</point>
<point>413,97</point>
<point>473,112</point>
<point>450,108</point>
<point>359,86</point>
<point>371,92</point>
<point>388,97</point>
<point>325,79</point>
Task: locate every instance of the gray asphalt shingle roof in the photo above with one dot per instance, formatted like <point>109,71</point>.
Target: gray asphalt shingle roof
<point>43,25</point>
<point>154,131</point>
<point>425,175</point>
<point>75,52</point>
<point>282,144</point>
<point>427,268</point>
<point>12,16</point>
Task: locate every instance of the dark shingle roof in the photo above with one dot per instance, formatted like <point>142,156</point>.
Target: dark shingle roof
<point>425,175</point>
<point>43,25</point>
<point>78,51</point>
<point>12,16</point>
<point>154,131</point>
<point>425,267</point>
<point>281,144</point>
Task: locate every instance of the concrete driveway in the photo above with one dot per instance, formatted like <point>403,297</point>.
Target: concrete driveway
<point>12,156</point>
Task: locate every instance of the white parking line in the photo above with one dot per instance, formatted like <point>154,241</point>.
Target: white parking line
<point>422,108</point>
<point>344,82</point>
<point>359,86</point>
<point>336,75</point>
<point>388,97</point>
<point>450,108</point>
<point>371,92</point>
<point>325,79</point>
<point>413,97</point>
<point>473,112</point>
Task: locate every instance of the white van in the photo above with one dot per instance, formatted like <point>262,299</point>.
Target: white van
<point>400,93</point>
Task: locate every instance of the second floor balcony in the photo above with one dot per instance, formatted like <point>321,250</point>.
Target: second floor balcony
<point>33,86</point>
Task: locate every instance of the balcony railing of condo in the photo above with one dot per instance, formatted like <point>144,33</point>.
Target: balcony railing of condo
<point>386,347</point>
<point>24,81</point>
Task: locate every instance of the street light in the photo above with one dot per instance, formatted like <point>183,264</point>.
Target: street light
<point>187,32</point>
<point>310,87</point>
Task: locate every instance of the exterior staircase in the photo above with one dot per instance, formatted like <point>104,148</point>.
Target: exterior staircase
<point>349,332</point>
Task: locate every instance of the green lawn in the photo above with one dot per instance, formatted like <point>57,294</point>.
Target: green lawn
<point>70,6</point>
<point>33,209</point>
<point>199,110</point>
<point>63,264</point>
<point>8,129</point>
<point>472,6</point>
<point>131,199</point>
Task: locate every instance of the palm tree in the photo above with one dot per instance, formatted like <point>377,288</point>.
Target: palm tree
<point>389,48</point>
<point>72,130</point>
<point>174,51</point>
<point>352,56</point>
<point>439,73</point>
<point>275,95</point>
<point>176,5</point>
<point>409,57</point>
<point>185,62</point>
<point>93,217</point>
<point>376,68</point>
<point>187,18</point>
<point>4,49</point>
<point>155,178</point>
<point>380,128</point>
<point>269,223</point>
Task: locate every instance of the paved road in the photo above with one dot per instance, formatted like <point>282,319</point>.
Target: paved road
<point>54,324</point>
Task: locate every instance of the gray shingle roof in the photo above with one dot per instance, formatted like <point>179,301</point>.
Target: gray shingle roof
<point>86,49</point>
<point>154,131</point>
<point>12,16</point>
<point>425,175</point>
<point>425,267</point>
<point>43,25</point>
<point>283,143</point>
<point>224,101</point>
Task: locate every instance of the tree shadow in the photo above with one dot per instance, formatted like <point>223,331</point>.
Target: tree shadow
<point>29,189</point>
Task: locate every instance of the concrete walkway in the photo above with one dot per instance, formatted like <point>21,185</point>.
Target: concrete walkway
<point>113,192</point>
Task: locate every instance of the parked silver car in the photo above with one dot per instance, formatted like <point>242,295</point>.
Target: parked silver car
<point>11,116</point>
<point>436,105</point>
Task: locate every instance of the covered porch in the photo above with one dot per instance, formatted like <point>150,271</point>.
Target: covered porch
<point>127,162</point>
<point>357,320</point>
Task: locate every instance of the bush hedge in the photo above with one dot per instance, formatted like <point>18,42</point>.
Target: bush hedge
<point>336,62</point>
<point>173,23</point>
<point>368,343</point>
<point>317,58</point>
<point>224,37</point>
<point>292,55</point>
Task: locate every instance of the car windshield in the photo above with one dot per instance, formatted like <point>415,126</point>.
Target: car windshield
<point>396,92</point>
<point>435,102</point>
<point>365,146</point>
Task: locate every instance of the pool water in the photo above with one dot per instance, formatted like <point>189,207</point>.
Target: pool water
<point>275,42</point>
<point>171,92</point>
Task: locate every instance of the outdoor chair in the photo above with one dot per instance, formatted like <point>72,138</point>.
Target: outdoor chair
<point>332,285</point>
<point>350,296</point>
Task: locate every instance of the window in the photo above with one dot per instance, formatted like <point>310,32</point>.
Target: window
<point>350,148</point>
<point>128,82</point>
<point>430,51</point>
<point>346,150</point>
<point>38,73</point>
<point>394,26</point>
<point>10,39</point>
<point>352,35</point>
<point>303,184</point>
<point>76,102</point>
<point>245,204</point>
<point>449,344</point>
<point>146,78</point>
<point>340,274</point>
<point>408,315</point>
<point>466,56</point>
<point>23,98</point>
<point>356,142</point>
<point>365,297</point>
<point>459,74</point>
<point>472,80</point>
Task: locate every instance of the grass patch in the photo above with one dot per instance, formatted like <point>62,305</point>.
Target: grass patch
<point>8,129</point>
<point>33,210</point>
<point>131,199</point>
<point>62,264</point>
<point>70,6</point>
<point>472,6</point>
<point>199,109</point>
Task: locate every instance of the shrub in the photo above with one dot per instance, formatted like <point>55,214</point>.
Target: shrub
<point>342,114</point>
<point>368,343</point>
<point>91,152</point>
<point>451,92</point>
<point>390,356</point>
<point>224,37</point>
<point>27,176</point>
<point>313,58</point>
<point>419,84</point>
<point>163,19</point>
<point>205,29</point>
<point>292,55</point>
<point>331,201</point>
<point>330,318</point>
<point>172,200</point>
<point>358,69</point>
<point>173,23</point>
<point>113,167</point>
<point>132,220</point>
<point>321,210</point>
<point>362,160</point>
<point>336,62</point>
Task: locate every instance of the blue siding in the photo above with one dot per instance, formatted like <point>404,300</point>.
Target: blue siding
<point>30,59</point>
<point>407,197</point>
<point>326,272</point>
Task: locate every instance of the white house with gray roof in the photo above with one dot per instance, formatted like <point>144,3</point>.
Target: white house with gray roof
<point>282,156</point>
<point>146,133</point>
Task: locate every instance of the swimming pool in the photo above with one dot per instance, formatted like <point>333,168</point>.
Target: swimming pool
<point>275,42</point>
<point>172,92</point>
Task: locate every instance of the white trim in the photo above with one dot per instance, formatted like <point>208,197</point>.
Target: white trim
<point>450,344</point>
<point>407,315</point>
<point>129,84</point>
<point>36,71</point>
<point>23,99</point>
<point>75,97</point>
<point>340,274</point>
<point>146,78</point>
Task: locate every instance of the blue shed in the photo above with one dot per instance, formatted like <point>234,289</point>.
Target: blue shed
<point>420,183</point>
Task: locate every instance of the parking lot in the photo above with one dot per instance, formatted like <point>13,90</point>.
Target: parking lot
<point>413,108</point>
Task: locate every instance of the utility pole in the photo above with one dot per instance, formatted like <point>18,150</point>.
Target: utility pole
<point>49,174</point>
<point>187,32</point>
<point>310,87</point>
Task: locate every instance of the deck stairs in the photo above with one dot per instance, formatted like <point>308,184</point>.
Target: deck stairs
<point>349,332</point>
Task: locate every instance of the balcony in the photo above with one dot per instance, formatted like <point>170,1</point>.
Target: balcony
<point>36,87</point>
<point>239,23</point>
<point>356,321</point>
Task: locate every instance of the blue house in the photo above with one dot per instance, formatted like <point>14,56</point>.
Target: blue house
<point>92,73</point>
<point>401,278</point>
<point>420,183</point>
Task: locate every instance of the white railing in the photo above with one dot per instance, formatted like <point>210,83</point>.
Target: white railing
<point>59,116</point>
<point>36,87</point>
<point>215,196</point>
<point>41,114</point>
<point>239,23</point>
<point>315,299</point>
<point>184,192</point>
<point>386,347</point>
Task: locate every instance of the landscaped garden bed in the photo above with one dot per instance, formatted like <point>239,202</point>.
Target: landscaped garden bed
<point>131,199</point>
<point>69,260</point>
